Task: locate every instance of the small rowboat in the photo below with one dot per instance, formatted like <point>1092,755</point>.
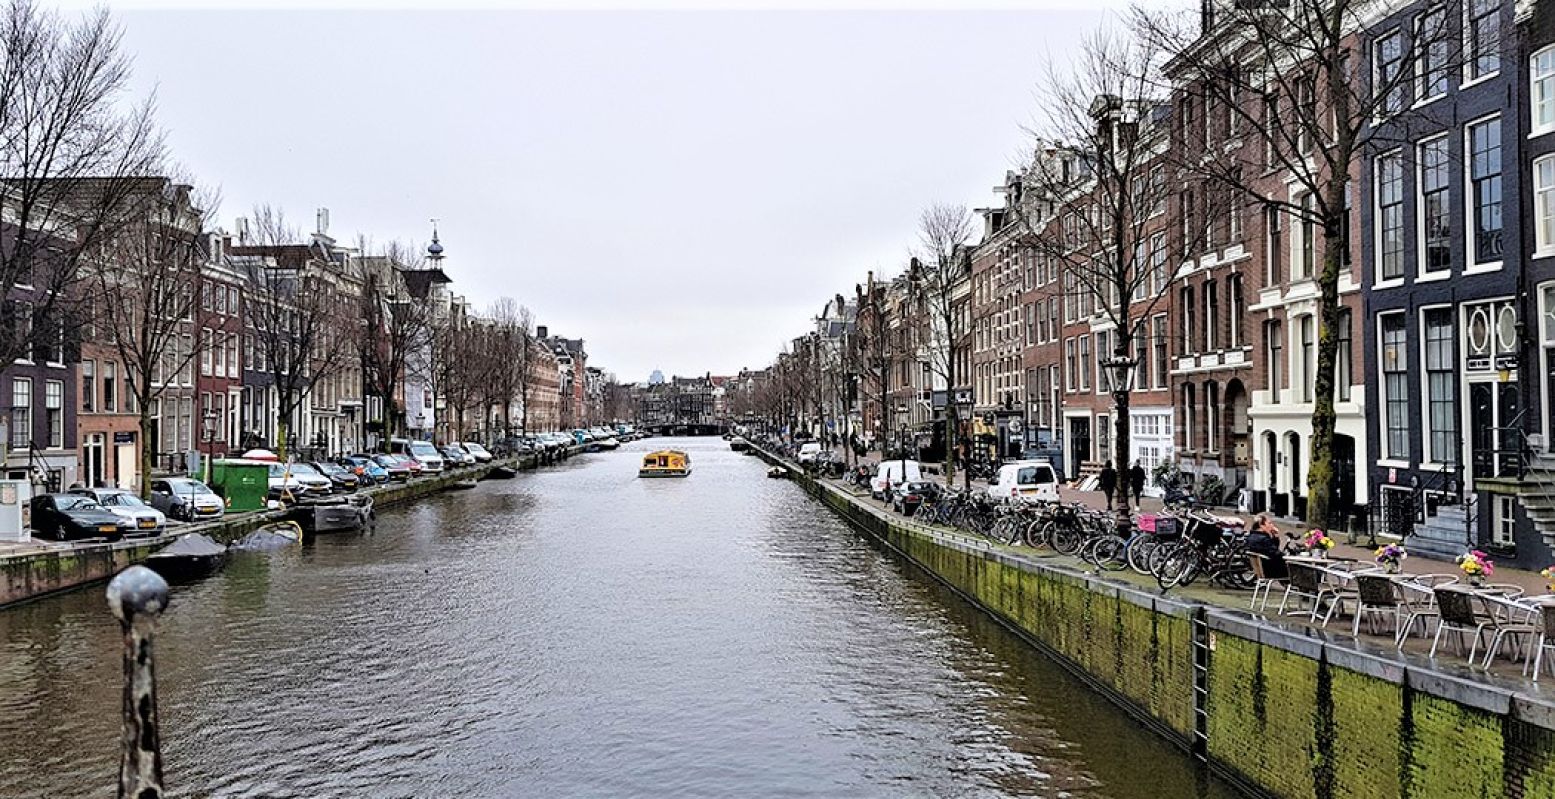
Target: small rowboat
<point>665,463</point>
<point>777,471</point>
<point>276,535</point>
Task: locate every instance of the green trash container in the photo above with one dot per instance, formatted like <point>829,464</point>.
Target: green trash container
<point>245,485</point>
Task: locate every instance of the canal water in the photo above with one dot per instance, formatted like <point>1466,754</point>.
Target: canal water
<point>575,632</point>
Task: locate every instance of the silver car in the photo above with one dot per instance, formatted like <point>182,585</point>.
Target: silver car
<point>186,499</point>
<point>144,519</point>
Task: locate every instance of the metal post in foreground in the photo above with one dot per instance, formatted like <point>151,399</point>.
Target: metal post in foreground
<point>137,596</point>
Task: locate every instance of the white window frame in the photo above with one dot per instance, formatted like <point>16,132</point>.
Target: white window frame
<point>1543,218</point>
<point>1470,265</point>
<point>1547,80</point>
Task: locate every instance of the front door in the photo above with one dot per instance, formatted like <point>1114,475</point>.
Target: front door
<point>1493,409</point>
<point>1079,443</point>
<point>93,468</point>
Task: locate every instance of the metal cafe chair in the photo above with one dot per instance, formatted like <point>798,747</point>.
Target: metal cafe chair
<point>1377,595</point>
<point>1262,582</point>
<point>1455,608</point>
<point>1511,620</point>
<point>1305,581</point>
<point>1419,605</point>
<point>1545,639</point>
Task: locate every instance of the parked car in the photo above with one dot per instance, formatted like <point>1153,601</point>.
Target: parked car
<point>68,517</point>
<point>284,482</point>
<point>398,468</point>
<point>908,498</point>
<point>454,455</point>
<point>426,456</point>
<point>808,451</point>
<point>342,478</point>
<point>893,473</point>
<point>365,468</point>
<point>1025,481</point>
<point>481,454</point>
<point>186,499</point>
<point>143,519</point>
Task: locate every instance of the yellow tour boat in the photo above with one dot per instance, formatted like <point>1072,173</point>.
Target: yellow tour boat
<point>665,463</point>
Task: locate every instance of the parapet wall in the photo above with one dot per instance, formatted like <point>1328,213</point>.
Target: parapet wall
<point>1278,710</point>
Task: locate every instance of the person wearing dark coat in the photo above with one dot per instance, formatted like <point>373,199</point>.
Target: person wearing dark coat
<point>1107,481</point>
<point>1136,482</point>
<point>1265,540</point>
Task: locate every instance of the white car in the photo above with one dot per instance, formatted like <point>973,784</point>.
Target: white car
<point>126,505</point>
<point>481,454</point>
<point>808,451</point>
<point>431,460</point>
<point>893,473</point>
<point>1025,481</point>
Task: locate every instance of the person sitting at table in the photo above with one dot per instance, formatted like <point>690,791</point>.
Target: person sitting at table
<point>1265,540</point>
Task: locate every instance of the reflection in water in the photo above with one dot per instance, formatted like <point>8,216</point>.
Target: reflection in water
<point>575,632</point>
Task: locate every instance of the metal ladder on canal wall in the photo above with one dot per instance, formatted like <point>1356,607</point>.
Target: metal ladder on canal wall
<point>1203,646</point>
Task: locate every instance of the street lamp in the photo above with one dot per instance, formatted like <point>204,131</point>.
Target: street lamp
<point>421,420</point>
<point>208,421</point>
<point>1119,372</point>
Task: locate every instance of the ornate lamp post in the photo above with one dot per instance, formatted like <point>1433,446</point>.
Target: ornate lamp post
<point>1119,372</point>
<point>208,428</point>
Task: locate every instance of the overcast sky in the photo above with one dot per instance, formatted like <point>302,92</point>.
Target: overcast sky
<point>683,189</point>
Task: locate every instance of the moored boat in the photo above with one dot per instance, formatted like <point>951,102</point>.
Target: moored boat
<point>192,555</point>
<point>334,514</point>
<point>777,471</point>
<point>665,463</point>
<point>738,444</point>
<point>276,535</point>
<point>500,473</point>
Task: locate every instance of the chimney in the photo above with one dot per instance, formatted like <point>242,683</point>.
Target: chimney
<point>242,230</point>
<point>322,225</point>
<point>540,331</point>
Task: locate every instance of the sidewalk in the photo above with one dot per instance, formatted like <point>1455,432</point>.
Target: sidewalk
<point>1530,581</point>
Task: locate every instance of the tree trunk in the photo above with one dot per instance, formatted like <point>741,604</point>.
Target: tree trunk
<point>281,427</point>
<point>1320,461</point>
<point>147,454</point>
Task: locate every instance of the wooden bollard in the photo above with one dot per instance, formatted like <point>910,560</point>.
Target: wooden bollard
<point>137,597</point>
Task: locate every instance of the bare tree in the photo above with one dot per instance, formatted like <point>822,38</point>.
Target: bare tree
<point>143,297</point>
<point>393,326</point>
<point>514,377</point>
<point>1294,81</point>
<point>872,349</point>
<point>1092,203</point>
<point>72,155</point>
<point>941,269</point>
<point>294,306</point>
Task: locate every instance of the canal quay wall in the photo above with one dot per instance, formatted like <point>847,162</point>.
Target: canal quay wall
<point>1279,711</point>
<point>34,573</point>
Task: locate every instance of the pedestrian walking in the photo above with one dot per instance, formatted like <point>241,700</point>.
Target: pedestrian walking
<point>1136,482</point>
<point>1107,481</point>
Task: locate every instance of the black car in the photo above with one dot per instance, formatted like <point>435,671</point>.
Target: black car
<point>908,498</point>
<point>74,516</point>
<point>339,476</point>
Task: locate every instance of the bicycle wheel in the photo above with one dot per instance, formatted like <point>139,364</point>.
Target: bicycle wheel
<point>1110,552</point>
<point>1176,565</point>
<point>1138,552</point>
<point>1033,533</point>
<point>1065,538</point>
<point>1004,530</point>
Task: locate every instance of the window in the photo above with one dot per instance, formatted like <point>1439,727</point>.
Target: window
<point>1069,364</point>
<point>1541,85</point>
<point>1187,321</point>
<point>1211,315</point>
<point>1306,115</point>
<point>1390,216</point>
<point>1485,189</point>
<point>232,355</point>
<point>54,412</point>
<point>1441,385</point>
<point>1212,416</point>
<point>1158,263</point>
<point>1482,38</point>
<point>1274,246</point>
<point>1343,374</point>
<point>1085,359</point>
<point>110,378</point>
<point>1274,346</point>
<point>1304,369</point>
<point>1188,415</point>
<point>1234,311</point>
<point>1103,352</point>
<point>1306,260</point>
<point>21,413</point>
<point>1435,217</point>
<point>1395,386</point>
<point>1271,121</point>
<point>1388,54</point>
<point>1544,204</point>
<point>1433,44</point>
<point>88,385</point>
<point>1506,520</point>
<point>1158,341</point>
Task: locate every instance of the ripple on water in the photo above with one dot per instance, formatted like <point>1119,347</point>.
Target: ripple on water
<point>576,632</point>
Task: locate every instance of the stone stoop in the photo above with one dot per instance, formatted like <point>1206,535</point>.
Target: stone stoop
<point>1443,536</point>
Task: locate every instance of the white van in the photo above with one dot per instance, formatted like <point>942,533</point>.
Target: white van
<point>894,472</point>
<point>1025,481</point>
<point>808,451</point>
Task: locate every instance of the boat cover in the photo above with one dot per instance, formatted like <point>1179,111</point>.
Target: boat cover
<point>268,538</point>
<point>193,545</point>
